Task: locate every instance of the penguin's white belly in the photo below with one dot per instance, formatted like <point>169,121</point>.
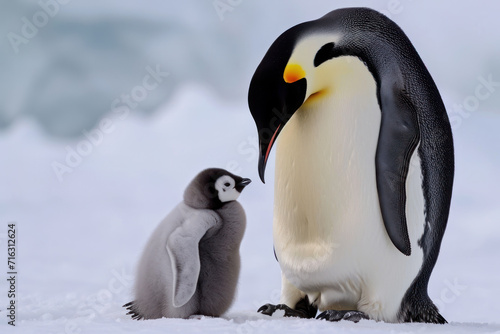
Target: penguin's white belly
<point>329,235</point>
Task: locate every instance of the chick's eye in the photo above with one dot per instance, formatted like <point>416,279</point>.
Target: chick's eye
<point>227,184</point>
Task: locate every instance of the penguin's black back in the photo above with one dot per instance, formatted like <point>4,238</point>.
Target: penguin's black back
<point>391,58</point>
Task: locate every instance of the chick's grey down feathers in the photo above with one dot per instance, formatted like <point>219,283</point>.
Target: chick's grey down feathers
<point>191,262</point>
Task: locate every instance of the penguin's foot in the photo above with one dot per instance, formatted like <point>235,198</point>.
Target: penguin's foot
<point>269,309</point>
<point>419,308</point>
<point>303,309</point>
<point>132,311</point>
<point>332,315</point>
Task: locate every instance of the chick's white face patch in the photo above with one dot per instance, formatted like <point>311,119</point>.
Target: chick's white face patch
<point>225,186</point>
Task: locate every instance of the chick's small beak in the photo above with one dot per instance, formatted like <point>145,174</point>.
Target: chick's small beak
<point>244,182</point>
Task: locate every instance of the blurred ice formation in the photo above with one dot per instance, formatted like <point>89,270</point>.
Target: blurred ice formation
<point>86,54</point>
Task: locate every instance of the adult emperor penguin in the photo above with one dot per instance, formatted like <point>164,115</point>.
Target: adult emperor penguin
<point>191,263</point>
<point>364,168</point>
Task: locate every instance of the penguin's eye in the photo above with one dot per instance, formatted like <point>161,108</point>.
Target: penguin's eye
<point>325,53</point>
<point>227,184</point>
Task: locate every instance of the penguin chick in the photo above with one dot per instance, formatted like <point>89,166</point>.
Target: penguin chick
<point>191,263</point>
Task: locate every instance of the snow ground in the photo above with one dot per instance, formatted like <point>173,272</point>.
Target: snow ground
<point>79,239</point>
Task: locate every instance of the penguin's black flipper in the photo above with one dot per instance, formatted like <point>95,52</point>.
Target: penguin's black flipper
<point>398,137</point>
<point>133,311</point>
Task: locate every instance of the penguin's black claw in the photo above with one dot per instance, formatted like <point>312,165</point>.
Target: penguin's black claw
<point>332,315</point>
<point>128,305</point>
<point>269,309</point>
<point>132,311</point>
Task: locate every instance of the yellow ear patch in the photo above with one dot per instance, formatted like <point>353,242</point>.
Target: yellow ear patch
<point>293,72</point>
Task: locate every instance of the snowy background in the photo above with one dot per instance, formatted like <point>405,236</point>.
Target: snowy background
<point>81,230</point>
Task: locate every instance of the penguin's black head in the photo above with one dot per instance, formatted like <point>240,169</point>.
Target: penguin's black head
<point>214,187</point>
<point>298,68</point>
<point>271,100</point>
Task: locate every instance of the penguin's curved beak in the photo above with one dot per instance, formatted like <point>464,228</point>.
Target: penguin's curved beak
<point>273,98</point>
<point>292,73</point>
<point>265,149</point>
